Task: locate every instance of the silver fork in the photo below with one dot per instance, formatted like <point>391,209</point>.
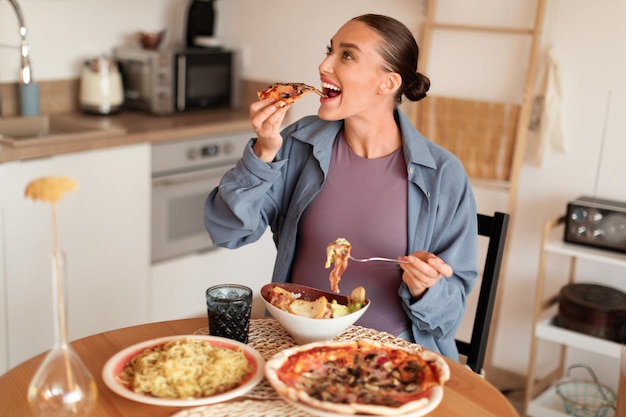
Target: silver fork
<point>377,259</point>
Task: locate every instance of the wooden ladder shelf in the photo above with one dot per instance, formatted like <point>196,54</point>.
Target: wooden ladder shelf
<point>488,137</point>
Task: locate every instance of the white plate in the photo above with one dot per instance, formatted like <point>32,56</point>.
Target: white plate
<point>274,363</point>
<point>116,364</point>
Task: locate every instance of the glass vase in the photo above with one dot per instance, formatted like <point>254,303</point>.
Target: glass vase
<point>62,386</point>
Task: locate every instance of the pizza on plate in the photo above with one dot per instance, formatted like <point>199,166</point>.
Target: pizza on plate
<point>358,377</point>
<point>287,93</point>
<point>337,254</point>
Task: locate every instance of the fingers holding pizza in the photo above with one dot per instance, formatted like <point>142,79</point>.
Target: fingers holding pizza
<point>268,114</point>
<point>266,120</point>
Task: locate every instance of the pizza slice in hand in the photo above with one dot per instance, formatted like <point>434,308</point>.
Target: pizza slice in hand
<point>287,93</point>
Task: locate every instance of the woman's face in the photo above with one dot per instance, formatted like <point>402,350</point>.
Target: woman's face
<point>351,73</point>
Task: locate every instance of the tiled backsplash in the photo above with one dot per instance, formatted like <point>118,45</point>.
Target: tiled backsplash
<point>55,97</point>
<point>61,96</point>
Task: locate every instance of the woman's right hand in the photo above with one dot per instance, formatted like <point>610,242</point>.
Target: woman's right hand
<point>266,120</point>
<point>423,271</point>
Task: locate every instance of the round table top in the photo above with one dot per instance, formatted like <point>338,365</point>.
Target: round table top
<point>466,394</point>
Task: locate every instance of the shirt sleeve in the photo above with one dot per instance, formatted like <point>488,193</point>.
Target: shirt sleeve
<point>436,316</point>
<point>240,209</point>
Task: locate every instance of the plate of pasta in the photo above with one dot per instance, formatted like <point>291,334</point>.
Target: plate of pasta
<point>184,371</point>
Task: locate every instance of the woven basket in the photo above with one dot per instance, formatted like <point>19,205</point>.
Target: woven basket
<point>481,134</point>
<point>585,398</point>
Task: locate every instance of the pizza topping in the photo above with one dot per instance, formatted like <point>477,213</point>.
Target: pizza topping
<point>286,93</point>
<point>363,375</point>
<point>337,253</point>
<point>370,379</point>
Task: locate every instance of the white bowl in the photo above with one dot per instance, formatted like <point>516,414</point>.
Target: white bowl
<point>305,329</point>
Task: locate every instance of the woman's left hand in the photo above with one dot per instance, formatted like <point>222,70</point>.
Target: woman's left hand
<point>423,271</point>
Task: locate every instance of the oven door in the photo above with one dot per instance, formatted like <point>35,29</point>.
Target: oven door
<point>178,212</point>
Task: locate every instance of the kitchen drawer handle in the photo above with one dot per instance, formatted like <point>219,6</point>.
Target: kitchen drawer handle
<point>189,178</point>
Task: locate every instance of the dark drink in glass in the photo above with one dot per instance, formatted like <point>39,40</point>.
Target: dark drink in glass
<point>229,307</point>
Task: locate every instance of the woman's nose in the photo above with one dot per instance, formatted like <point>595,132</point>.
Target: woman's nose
<point>325,67</point>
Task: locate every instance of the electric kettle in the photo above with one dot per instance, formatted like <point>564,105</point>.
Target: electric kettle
<point>101,89</point>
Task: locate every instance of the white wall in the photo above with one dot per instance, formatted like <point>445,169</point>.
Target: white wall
<point>63,33</point>
<point>286,40</point>
<point>587,39</point>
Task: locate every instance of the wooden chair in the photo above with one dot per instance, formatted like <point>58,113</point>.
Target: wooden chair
<point>495,229</point>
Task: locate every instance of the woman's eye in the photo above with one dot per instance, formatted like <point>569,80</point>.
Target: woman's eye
<point>329,50</point>
<point>347,55</point>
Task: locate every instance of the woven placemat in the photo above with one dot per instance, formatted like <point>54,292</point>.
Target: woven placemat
<point>268,337</point>
<point>245,408</point>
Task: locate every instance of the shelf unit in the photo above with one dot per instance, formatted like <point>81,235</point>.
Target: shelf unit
<point>541,398</point>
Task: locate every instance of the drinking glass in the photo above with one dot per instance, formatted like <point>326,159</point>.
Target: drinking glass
<point>229,307</point>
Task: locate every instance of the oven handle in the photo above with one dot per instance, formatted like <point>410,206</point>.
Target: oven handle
<point>181,88</point>
<point>190,177</point>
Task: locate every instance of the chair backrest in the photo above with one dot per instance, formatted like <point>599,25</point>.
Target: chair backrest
<point>495,229</point>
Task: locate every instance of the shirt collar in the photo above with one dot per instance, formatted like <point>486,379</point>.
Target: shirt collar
<point>322,135</point>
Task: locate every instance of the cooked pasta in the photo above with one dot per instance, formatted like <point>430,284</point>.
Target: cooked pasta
<point>186,368</point>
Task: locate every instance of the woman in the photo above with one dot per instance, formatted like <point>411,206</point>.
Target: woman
<point>359,170</point>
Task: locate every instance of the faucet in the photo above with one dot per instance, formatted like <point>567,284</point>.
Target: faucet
<point>25,67</point>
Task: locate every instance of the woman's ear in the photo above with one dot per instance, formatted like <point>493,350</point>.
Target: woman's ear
<point>390,83</point>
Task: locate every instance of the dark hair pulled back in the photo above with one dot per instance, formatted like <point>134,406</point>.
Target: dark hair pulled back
<point>400,52</point>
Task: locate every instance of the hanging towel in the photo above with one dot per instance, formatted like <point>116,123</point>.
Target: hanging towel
<point>545,129</point>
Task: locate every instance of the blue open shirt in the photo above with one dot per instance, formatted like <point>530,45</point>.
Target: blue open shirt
<point>442,215</point>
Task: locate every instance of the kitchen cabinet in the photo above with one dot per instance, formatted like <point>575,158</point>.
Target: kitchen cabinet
<point>541,398</point>
<point>104,232</point>
<point>179,284</point>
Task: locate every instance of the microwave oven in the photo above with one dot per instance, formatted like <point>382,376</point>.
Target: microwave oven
<point>171,80</point>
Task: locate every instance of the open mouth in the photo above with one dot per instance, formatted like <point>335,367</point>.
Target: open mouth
<point>330,90</point>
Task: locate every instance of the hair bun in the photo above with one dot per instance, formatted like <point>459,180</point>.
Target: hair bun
<point>417,87</point>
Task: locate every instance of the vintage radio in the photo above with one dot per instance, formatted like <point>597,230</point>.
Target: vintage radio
<point>596,222</point>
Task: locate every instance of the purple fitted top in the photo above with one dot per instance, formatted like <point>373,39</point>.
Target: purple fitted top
<point>365,201</point>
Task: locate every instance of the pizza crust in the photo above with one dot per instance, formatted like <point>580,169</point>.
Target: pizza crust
<point>386,411</point>
<point>440,364</point>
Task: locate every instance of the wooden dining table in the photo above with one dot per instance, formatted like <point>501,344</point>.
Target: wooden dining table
<point>466,394</point>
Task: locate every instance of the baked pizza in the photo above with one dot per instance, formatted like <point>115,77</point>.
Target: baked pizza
<point>287,93</point>
<point>359,377</point>
<point>337,254</point>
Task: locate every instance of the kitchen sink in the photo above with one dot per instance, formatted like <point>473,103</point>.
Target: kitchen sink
<point>24,131</point>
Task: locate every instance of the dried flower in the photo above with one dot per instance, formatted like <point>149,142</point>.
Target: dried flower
<point>50,188</point>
